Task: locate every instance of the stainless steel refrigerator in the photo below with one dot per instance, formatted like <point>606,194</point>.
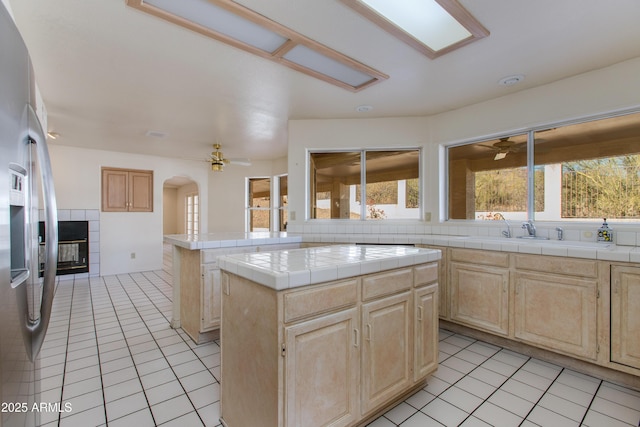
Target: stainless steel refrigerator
<point>26,193</point>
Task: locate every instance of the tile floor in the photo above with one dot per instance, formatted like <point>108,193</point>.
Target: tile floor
<point>111,355</point>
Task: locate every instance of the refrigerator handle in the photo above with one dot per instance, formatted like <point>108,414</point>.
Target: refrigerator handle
<point>38,328</point>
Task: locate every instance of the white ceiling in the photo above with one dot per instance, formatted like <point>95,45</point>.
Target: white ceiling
<point>109,73</point>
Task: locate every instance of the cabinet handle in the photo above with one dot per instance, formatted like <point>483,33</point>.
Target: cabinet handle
<point>356,337</point>
<point>419,313</point>
<point>369,332</point>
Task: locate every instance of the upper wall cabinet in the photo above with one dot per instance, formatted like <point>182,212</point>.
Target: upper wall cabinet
<point>127,190</point>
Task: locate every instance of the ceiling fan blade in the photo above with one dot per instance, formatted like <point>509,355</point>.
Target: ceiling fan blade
<point>239,162</point>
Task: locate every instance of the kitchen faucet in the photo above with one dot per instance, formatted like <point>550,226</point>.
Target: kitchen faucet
<point>531,229</point>
<point>506,233</point>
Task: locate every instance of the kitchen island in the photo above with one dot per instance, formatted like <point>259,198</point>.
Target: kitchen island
<point>328,335</point>
<point>196,276</point>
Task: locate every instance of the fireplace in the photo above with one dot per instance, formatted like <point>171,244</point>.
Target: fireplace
<point>73,247</point>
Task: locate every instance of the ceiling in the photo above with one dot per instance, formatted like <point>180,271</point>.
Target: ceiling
<point>110,74</point>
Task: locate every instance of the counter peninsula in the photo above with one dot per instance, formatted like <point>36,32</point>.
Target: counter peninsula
<point>196,276</point>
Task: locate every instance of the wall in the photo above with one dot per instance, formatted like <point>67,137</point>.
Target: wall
<point>597,92</point>
<point>76,173</point>
<point>170,210</point>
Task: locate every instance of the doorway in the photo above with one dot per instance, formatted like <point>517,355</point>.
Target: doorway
<point>180,206</point>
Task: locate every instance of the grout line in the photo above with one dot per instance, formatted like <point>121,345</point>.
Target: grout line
<point>593,398</point>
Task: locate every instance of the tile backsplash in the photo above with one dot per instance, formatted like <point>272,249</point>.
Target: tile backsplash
<point>624,234</point>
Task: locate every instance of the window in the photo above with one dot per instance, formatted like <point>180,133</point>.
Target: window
<point>388,181</point>
<point>588,170</point>
<point>283,205</point>
<point>259,204</point>
<point>192,214</point>
<point>267,207</point>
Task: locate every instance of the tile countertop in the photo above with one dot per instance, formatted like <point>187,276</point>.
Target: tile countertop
<point>561,248</point>
<point>230,239</point>
<point>299,267</point>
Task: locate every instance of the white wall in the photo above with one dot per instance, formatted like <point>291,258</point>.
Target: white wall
<point>77,177</point>
<point>597,92</point>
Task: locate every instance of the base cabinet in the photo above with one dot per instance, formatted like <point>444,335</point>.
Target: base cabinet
<point>426,303</point>
<point>346,349</point>
<point>480,297</point>
<point>556,312</point>
<point>321,386</point>
<point>625,315</point>
<point>386,355</point>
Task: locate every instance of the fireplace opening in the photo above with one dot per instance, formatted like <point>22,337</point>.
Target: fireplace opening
<point>73,247</point>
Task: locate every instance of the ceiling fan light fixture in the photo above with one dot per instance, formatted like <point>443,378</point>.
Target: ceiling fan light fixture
<point>500,155</point>
<point>217,166</point>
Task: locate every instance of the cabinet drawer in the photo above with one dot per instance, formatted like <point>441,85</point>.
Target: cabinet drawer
<point>473,256</point>
<point>559,265</point>
<point>386,283</point>
<point>319,299</point>
<point>424,274</point>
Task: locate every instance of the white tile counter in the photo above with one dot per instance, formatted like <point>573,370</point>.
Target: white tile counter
<point>563,248</point>
<point>230,239</point>
<point>299,267</point>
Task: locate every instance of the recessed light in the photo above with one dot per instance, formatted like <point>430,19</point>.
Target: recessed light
<point>364,108</point>
<point>511,80</point>
<point>156,134</point>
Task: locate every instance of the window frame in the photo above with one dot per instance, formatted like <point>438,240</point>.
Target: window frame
<point>531,134</point>
<point>193,217</point>
<point>363,178</point>
<point>274,208</point>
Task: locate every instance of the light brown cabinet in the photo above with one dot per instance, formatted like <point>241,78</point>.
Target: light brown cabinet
<point>426,324</point>
<point>386,356</point>
<point>346,349</point>
<point>479,289</point>
<point>127,190</point>
<point>312,370</point>
<point>625,315</point>
<point>557,313</point>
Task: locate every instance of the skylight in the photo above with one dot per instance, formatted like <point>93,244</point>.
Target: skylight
<point>433,27</point>
<point>238,26</point>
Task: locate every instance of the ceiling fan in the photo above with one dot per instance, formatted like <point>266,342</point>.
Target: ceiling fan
<point>504,147</point>
<point>218,161</point>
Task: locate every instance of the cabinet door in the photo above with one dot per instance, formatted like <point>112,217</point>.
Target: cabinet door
<point>386,352</point>
<point>141,191</point>
<point>480,297</point>
<point>210,301</point>
<point>127,190</point>
<point>426,331</point>
<point>321,371</point>
<point>625,316</point>
<point>115,195</point>
<point>557,312</point>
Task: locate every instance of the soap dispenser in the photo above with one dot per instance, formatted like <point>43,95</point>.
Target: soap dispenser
<point>605,234</point>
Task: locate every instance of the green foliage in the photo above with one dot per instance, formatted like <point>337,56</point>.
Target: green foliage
<point>596,188</point>
<point>413,193</point>
<point>606,187</point>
